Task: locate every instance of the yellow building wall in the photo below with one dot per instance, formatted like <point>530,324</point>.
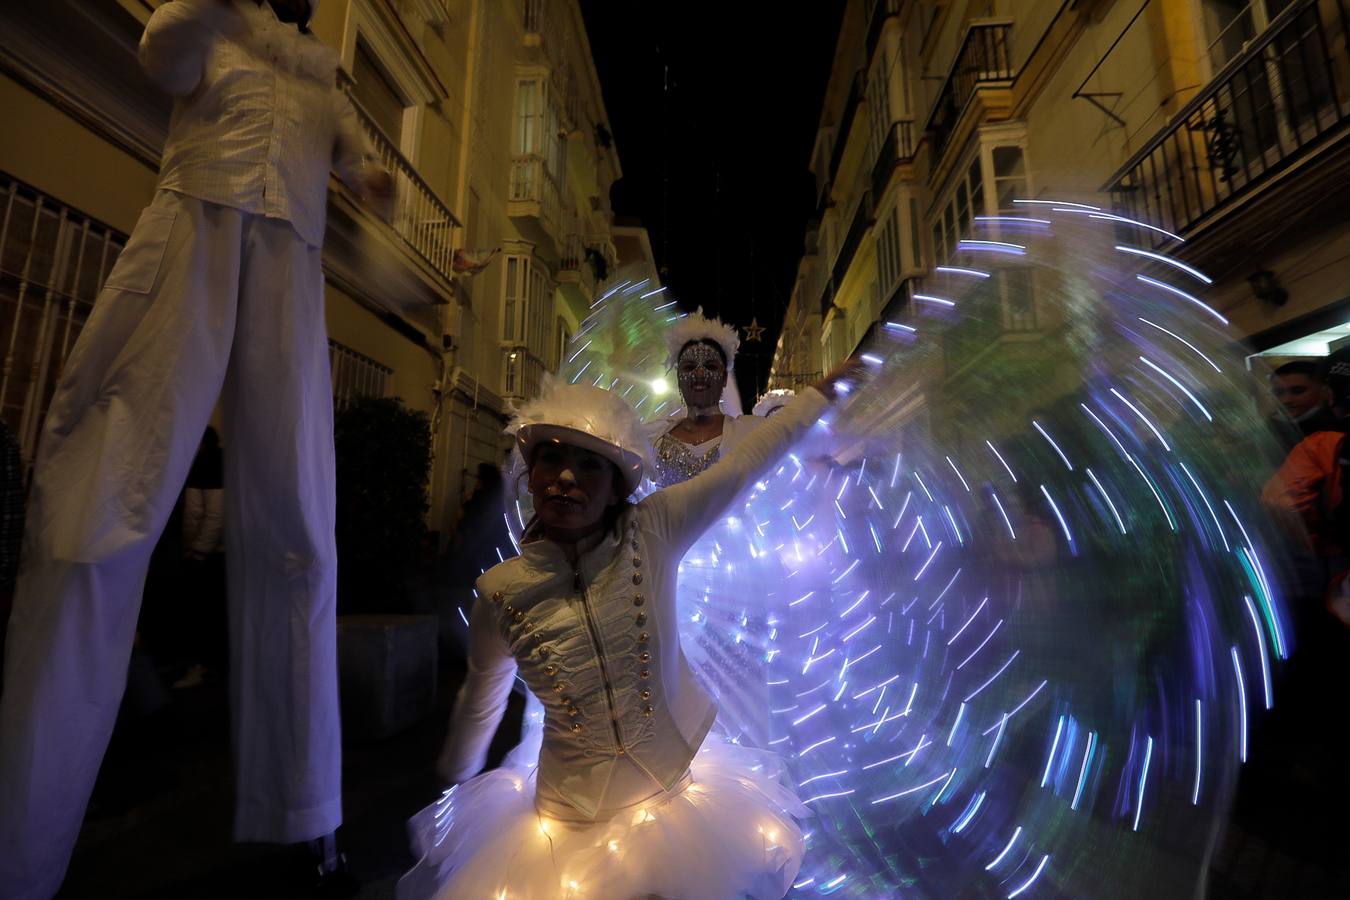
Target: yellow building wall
<point>59,156</point>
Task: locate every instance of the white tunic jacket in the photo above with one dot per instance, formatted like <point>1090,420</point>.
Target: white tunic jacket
<point>258,122</point>
<point>598,643</point>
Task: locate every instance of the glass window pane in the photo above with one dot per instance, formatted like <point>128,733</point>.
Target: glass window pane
<point>975,175</point>
<point>915,246</point>
<point>375,92</point>
<point>1008,162</point>
<point>526,130</point>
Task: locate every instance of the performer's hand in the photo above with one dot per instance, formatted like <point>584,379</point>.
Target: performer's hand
<point>377,189</point>
<point>841,378</point>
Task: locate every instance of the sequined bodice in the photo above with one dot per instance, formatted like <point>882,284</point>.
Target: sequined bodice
<point>677,461</point>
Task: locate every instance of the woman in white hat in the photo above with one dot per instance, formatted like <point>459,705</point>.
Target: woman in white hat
<point>628,799</point>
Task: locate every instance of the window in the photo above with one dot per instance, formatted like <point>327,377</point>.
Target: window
<point>957,217</point>
<point>994,178</point>
<point>527,310</point>
<point>375,92</point>
<point>529,117</point>
<point>878,104</point>
<point>1010,177</point>
<point>564,338</point>
<point>1230,24</point>
<point>888,253</point>
<point>915,241</point>
<point>539,127</point>
<point>380,57</point>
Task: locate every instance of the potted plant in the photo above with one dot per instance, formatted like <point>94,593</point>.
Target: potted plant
<point>387,657</point>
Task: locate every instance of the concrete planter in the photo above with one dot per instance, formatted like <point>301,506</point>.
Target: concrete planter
<point>386,673</point>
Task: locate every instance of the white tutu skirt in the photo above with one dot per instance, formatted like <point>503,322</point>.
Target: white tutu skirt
<point>728,831</point>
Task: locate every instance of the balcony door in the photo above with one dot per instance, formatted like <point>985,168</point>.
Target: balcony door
<point>1272,100</point>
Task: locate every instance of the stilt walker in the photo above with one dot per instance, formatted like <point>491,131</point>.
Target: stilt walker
<point>218,292</point>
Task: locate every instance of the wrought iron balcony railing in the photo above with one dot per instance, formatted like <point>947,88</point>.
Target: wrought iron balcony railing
<point>420,217</point>
<point>1284,96</point>
<point>983,59</point>
<point>858,222</point>
<point>898,146</point>
<point>587,258</point>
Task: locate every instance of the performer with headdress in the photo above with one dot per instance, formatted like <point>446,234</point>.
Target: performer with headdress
<point>632,795</point>
<point>703,353</point>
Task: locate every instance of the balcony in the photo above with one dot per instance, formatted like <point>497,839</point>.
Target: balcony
<point>856,91</point>
<point>898,148</point>
<point>421,230</point>
<point>859,220</point>
<point>534,195</point>
<point>858,217</point>
<point>1272,108</point>
<point>876,21</point>
<point>826,297</point>
<point>983,61</point>
<point>586,261</point>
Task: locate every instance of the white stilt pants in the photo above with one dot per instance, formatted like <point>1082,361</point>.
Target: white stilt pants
<point>204,298</point>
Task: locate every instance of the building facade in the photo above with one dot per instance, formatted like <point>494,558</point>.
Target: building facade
<point>490,116</point>
<point>1223,122</point>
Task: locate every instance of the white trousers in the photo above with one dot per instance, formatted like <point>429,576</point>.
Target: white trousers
<point>205,299</point>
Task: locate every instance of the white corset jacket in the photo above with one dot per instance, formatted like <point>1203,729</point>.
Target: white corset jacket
<point>598,643</point>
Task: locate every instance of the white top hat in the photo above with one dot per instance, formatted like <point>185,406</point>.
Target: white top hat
<point>587,417</point>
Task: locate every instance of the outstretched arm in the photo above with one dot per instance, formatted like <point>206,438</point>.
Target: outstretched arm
<point>482,699</point>
<point>355,160</point>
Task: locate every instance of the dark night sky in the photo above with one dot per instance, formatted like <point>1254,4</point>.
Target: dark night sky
<point>733,135</point>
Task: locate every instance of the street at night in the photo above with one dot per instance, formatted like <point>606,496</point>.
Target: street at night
<point>532,449</point>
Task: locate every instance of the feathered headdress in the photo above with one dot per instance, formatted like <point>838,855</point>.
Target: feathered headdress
<point>696,327</point>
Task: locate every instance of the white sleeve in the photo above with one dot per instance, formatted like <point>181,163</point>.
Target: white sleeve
<point>482,699</point>
<point>352,150</point>
<point>178,38</point>
<point>682,512</point>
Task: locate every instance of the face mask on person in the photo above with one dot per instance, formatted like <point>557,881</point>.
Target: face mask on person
<point>702,375</point>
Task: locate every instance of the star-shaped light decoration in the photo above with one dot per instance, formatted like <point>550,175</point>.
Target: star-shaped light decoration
<point>753,330</point>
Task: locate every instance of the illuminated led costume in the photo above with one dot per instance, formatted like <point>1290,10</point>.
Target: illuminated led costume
<point>1010,596</point>
<point>631,795</point>
<point>1012,640</point>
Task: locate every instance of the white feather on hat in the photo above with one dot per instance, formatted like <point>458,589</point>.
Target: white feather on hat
<point>697,327</point>
<point>586,417</point>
